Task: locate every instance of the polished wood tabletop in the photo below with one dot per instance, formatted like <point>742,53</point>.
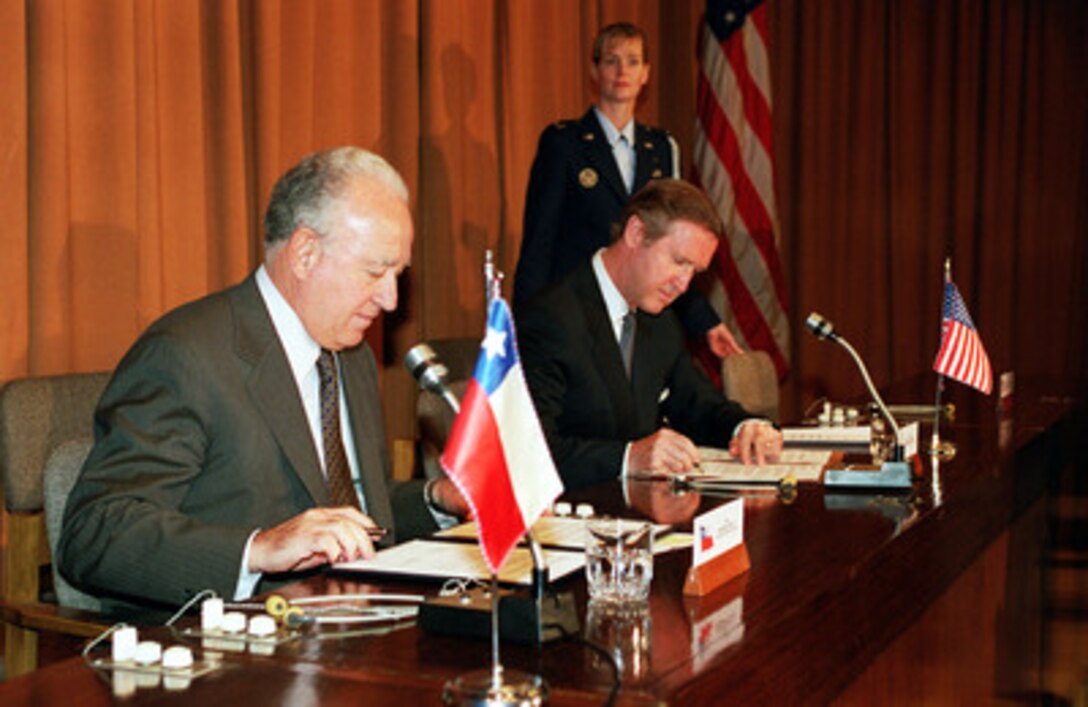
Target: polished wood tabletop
<point>851,597</point>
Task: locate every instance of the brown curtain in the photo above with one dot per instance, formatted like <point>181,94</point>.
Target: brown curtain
<point>907,132</point>
<point>141,139</point>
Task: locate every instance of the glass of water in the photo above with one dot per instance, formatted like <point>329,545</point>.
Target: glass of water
<point>619,560</point>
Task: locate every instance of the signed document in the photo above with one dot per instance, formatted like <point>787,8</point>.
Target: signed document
<point>439,559</point>
<point>802,464</point>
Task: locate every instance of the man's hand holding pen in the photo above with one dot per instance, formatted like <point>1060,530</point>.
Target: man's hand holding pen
<point>315,537</point>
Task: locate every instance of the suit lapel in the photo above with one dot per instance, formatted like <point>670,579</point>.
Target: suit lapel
<point>646,378</point>
<point>647,158</point>
<point>268,383</point>
<point>599,154</point>
<point>604,348</point>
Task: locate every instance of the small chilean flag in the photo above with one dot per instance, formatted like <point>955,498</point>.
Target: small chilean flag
<point>496,454</point>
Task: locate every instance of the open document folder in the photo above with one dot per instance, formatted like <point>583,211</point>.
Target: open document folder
<point>441,559</point>
<point>454,553</point>
<point>802,464</point>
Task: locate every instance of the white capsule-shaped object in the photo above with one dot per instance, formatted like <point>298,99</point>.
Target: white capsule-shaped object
<point>177,658</point>
<point>211,614</point>
<point>234,622</point>
<point>148,652</point>
<point>562,508</point>
<point>123,683</point>
<point>175,682</point>
<point>123,644</point>
<point>583,510</point>
<point>262,625</point>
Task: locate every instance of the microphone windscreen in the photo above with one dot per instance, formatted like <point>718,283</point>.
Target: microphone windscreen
<point>819,326</point>
<point>418,358</point>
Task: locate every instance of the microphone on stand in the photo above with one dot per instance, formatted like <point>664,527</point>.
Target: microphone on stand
<point>422,362</point>
<point>894,473</point>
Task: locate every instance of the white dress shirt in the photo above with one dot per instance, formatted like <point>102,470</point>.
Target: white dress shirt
<point>622,142</point>
<point>302,352</point>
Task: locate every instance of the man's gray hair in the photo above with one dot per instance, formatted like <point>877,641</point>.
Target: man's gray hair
<point>306,194</point>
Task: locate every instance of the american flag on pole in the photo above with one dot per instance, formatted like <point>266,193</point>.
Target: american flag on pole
<point>496,453</point>
<point>962,356</point>
<point>733,163</point>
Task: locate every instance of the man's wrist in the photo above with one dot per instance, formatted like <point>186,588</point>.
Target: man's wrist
<point>430,498</point>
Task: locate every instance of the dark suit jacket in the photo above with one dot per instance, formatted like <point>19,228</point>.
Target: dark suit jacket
<point>201,438</point>
<point>575,193</point>
<point>587,406</point>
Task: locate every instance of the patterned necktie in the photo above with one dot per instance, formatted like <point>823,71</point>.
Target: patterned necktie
<point>337,471</point>
<point>627,340</point>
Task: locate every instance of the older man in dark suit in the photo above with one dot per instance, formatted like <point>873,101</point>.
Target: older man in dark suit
<point>241,438</point>
<point>604,356</point>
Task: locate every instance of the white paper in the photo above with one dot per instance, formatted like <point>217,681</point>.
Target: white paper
<point>550,531</point>
<point>908,437</point>
<point>858,435</point>
<point>802,464</point>
<point>444,560</point>
<point>717,531</point>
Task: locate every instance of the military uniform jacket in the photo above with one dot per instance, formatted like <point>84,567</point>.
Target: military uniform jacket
<point>575,193</point>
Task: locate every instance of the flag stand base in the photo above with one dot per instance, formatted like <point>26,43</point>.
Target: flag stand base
<point>483,688</point>
<point>522,619</point>
<point>892,476</point>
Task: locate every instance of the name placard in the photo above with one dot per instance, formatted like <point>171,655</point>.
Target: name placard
<point>718,551</point>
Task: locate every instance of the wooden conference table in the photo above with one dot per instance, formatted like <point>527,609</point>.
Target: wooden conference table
<point>851,598</point>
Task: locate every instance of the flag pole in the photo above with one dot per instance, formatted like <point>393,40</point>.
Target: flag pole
<point>495,688</point>
<point>936,447</point>
<point>492,289</point>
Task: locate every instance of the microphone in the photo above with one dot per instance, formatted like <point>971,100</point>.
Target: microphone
<point>422,362</point>
<point>894,473</point>
<point>822,328</point>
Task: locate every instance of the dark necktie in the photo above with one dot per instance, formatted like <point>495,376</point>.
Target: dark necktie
<point>627,340</point>
<point>337,471</point>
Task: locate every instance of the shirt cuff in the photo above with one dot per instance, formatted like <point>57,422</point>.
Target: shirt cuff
<point>247,581</point>
<point>742,423</point>
<point>441,518</point>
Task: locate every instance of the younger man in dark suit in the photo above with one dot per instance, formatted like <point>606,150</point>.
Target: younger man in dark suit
<point>609,407</point>
<point>241,436</point>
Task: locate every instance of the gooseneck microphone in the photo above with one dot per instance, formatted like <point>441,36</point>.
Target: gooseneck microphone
<point>823,329</point>
<point>422,362</point>
<point>894,473</point>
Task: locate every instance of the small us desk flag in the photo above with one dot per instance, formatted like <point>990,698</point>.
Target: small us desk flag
<point>962,356</point>
<point>496,454</point>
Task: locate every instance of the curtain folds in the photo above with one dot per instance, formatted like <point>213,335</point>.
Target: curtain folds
<point>141,139</point>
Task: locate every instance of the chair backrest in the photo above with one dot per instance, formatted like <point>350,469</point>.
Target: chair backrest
<point>37,415</point>
<point>751,380</point>
<point>61,470</point>
<point>433,414</point>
